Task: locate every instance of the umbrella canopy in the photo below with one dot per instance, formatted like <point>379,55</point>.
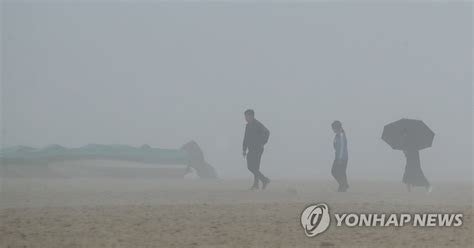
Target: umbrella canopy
<point>408,134</point>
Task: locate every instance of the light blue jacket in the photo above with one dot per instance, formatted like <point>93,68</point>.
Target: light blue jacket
<point>340,146</point>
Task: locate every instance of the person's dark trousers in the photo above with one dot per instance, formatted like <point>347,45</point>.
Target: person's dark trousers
<point>253,164</point>
<point>338,171</point>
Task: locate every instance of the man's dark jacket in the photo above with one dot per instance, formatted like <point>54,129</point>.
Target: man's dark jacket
<point>256,136</point>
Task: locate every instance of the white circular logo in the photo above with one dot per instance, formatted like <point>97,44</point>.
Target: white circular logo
<point>315,219</point>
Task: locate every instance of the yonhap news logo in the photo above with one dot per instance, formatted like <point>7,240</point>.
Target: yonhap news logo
<point>315,219</point>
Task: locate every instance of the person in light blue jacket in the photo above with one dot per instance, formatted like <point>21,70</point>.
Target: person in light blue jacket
<point>339,166</point>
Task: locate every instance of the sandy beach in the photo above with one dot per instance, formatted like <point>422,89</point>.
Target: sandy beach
<point>134,212</point>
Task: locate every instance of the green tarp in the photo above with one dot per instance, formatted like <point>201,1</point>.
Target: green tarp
<point>144,154</point>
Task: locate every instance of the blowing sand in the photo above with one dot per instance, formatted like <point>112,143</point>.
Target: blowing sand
<point>135,212</point>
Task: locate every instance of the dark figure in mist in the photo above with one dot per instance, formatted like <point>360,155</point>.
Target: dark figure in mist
<point>339,166</point>
<point>256,136</point>
<point>413,175</point>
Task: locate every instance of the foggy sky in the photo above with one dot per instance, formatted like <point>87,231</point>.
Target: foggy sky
<point>166,73</point>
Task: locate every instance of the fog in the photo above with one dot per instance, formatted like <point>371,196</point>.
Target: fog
<point>163,73</point>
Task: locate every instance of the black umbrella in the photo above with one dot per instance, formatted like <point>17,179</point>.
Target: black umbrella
<point>408,134</point>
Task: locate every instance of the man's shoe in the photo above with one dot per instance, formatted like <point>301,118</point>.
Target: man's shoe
<point>265,183</point>
<point>255,187</point>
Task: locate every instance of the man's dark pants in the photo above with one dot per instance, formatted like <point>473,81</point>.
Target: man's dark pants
<point>253,164</point>
<point>338,171</point>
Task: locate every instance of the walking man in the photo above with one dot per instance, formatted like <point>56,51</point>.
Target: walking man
<point>256,136</point>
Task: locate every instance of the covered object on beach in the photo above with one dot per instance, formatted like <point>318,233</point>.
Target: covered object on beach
<point>189,154</point>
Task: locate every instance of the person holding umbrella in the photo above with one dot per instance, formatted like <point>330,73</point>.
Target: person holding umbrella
<point>339,165</point>
<point>413,175</point>
<point>410,136</point>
